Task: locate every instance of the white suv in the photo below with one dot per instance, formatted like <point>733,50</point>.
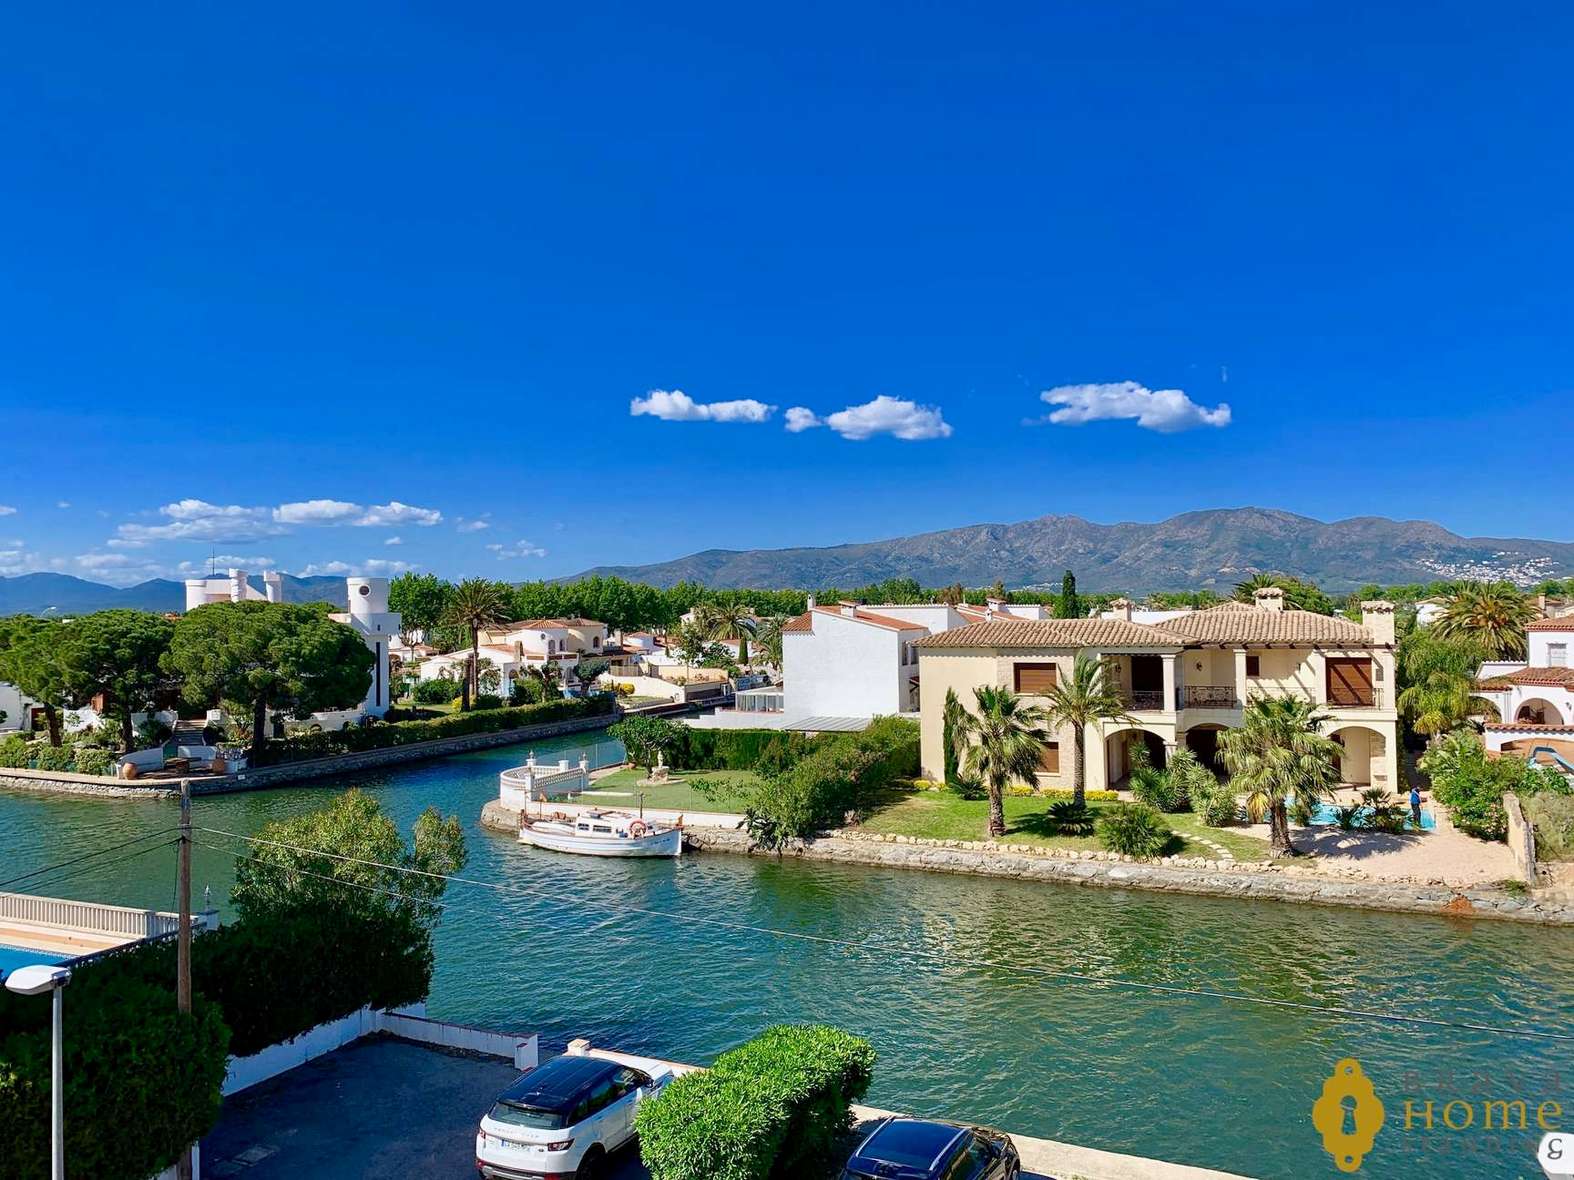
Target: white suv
<point>561,1120</point>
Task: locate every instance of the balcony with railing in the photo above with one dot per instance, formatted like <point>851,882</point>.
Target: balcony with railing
<point>1139,700</point>
<point>1209,696</point>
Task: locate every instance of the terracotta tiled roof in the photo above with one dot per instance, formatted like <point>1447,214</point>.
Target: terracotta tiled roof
<point>804,623</point>
<point>1563,624</point>
<point>1255,625</point>
<point>1054,633</point>
<point>1526,727</point>
<point>1229,606</point>
<point>1494,684</point>
<point>1552,677</point>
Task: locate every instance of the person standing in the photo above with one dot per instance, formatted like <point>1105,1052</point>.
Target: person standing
<point>1415,805</point>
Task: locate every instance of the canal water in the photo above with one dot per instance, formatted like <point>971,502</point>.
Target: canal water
<point>961,1032</point>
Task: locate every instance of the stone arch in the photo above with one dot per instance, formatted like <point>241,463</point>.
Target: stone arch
<point>1539,711</point>
<point>1364,751</point>
<point>1203,741</point>
<point>1117,751</point>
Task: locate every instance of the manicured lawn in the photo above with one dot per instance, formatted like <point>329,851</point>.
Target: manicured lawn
<point>621,789</point>
<point>943,815</point>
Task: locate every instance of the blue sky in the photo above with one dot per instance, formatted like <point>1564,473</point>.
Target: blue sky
<point>375,285</point>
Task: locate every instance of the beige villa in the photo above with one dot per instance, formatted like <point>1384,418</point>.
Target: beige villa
<point>1184,681</point>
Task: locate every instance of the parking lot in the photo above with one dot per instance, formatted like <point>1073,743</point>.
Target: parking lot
<point>377,1108</point>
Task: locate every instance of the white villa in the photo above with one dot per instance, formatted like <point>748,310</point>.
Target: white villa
<point>233,586</point>
<point>851,662</point>
<point>1534,699</point>
<point>1184,682</point>
<point>513,649</point>
<point>378,628</point>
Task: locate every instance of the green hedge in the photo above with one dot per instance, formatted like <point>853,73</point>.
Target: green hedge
<point>740,749</point>
<point>17,752</point>
<point>403,733</point>
<point>850,772</point>
<point>777,1106</point>
<point>142,1080</point>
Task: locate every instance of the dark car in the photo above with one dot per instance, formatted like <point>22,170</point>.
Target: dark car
<point>921,1149</point>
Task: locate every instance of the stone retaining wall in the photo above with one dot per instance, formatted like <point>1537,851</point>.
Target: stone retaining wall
<point>293,772</point>
<point>1251,880</point>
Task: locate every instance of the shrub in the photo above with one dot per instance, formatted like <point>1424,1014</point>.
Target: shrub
<point>142,1080</point>
<point>1301,809</point>
<point>90,761</point>
<point>846,775</point>
<point>738,749</point>
<point>1190,780</point>
<point>1553,816</point>
<point>1153,788</point>
<point>777,1106</point>
<point>1069,818</point>
<point>15,752</point>
<point>1214,801</point>
<point>435,692</point>
<point>527,691</point>
<point>1472,785</point>
<point>487,700</point>
<point>379,737</point>
<point>1135,829</point>
<point>57,758</point>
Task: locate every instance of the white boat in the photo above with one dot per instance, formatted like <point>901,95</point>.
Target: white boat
<point>604,833</point>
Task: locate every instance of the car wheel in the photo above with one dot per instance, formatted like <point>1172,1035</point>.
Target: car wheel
<point>593,1166</point>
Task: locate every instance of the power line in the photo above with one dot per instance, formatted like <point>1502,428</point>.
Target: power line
<point>268,864</point>
<point>945,958</point>
<point>87,856</point>
<point>84,870</point>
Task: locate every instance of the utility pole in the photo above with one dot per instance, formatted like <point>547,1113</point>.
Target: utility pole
<point>183,952</point>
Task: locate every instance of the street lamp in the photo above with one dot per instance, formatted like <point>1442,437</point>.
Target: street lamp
<point>35,981</point>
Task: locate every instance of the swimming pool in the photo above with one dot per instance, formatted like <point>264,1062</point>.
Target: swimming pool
<point>12,957</point>
<point>1324,815</point>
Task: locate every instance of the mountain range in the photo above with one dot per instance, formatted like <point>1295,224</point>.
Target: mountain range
<point>36,594</point>
<point>1195,550</point>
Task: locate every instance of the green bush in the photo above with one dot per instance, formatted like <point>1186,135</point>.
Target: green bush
<point>487,700</point>
<point>778,1106</point>
<point>848,774</point>
<point>93,761</point>
<point>1472,785</point>
<point>1301,809</point>
<point>1069,818</point>
<point>56,758</point>
<point>403,733</point>
<point>740,749</point>
<point>1135,829</point>
<point>141,1079</point>
<point>435,692</point>
<point>1152,787</point>
<point>1553,816</point>
<point>15,753</point>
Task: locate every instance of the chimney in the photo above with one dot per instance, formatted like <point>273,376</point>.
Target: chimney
<point>848,609</point>
<point>273,586</point>
<point>238,585</point>
<point>1269,598</point>
<point>1378,618</point>
<point>1119,609</point>
<point>812,603</point>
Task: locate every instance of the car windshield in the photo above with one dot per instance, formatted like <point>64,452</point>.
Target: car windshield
<point>516,1114</point>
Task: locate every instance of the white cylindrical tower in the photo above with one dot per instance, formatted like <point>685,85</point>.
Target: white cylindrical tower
<point>368,596</point>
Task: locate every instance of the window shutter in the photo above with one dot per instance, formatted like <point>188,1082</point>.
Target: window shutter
<point>1035,679</point>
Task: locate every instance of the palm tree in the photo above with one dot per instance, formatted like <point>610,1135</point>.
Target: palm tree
<point>1492,614</point>
<point>1441,703</point>
<point>768,641</point>
<point>1088,698</point>
<point>1008,742</point>
<point>1279,751</point>
<point>477,605</point>
<point>731,621</point>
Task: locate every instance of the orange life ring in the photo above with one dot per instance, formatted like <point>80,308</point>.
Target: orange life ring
<point>639,829</point>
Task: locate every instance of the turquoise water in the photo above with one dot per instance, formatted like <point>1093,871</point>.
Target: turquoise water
<point>12,957</point>
<point>1325,813</point>
<point>1187,1078</point>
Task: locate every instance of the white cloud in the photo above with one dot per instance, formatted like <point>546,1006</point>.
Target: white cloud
<point>97,562</point>
<point>62,503</point>
<point>317,512</point>
<point>518,549</point>
<point>223,562</point>
<point>801,418</point>
<point>477,525</point>
<point>394,541</point>
<point>1164,410</point>
<point>7,510</point>
<point>198,520</point>
<point>677,406</point>
<point>394,513</point>
<point>374,567</point>
<point>889,415</point>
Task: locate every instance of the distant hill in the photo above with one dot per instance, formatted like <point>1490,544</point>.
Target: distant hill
<point>36,594</point>
<point>1196,550</point>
